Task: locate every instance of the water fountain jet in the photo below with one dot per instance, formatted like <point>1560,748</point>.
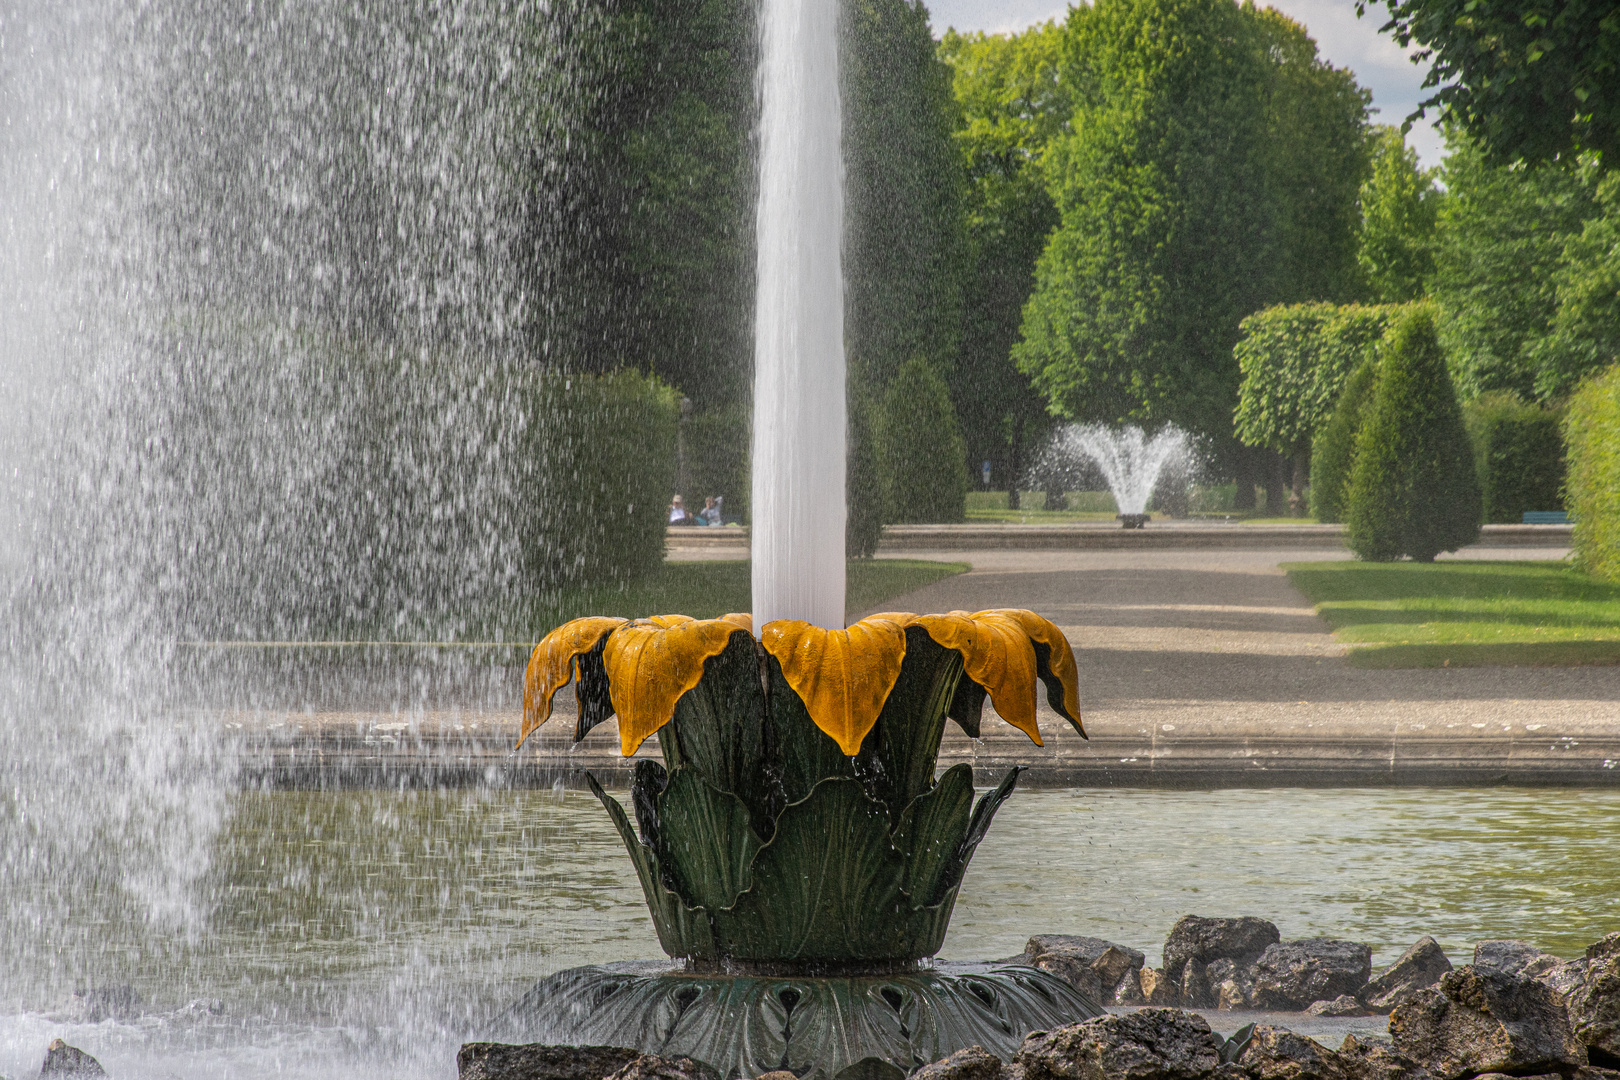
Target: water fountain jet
<point>1129,460</point>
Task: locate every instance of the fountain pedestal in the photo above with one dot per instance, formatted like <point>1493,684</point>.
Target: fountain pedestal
<point>822,1027</point>
<point>1133,521</point>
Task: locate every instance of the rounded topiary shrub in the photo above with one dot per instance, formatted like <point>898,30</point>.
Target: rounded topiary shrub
<point>924,460</point>
<point>1592,427</point>
<point>1333,451</point>
<point>1413,489</point>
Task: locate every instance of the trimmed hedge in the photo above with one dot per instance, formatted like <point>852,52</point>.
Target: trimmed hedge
<point>1333,454</point>
<point>1592,490</point>
<point>1413,490</point>
<point>1519,451</point>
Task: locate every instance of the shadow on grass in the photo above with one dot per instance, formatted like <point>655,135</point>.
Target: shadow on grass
<point>1327,582</point>
<point>1341,618</point>
<point>1482,654</point>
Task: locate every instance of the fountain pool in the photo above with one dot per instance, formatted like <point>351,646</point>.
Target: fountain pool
<point>358,934</point>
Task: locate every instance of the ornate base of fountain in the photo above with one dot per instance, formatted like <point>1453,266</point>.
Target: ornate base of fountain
<point>1133,521</point>
<point>854,1027</point>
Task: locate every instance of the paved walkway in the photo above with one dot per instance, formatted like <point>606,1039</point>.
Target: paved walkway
<point>1198,669</point>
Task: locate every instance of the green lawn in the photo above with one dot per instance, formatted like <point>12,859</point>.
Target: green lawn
<point>1464,613</point>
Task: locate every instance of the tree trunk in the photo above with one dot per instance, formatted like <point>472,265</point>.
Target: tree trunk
<point>1245,469</point>
<point>1015,465</point>
<point>1276,484</point>
<point>1298,503</point>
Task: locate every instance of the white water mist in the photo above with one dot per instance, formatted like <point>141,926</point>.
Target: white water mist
<point>799,404</point>
<point>1129,460</point>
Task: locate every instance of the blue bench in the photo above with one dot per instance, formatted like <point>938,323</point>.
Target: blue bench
<point>1546,517</point>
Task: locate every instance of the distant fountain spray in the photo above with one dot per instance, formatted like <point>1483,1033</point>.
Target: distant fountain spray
<point>1128,459</point>
<point>799,406</point>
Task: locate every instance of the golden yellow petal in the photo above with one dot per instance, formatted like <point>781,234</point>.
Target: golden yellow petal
<point>552,664</point>
<point>842,676</point>
<point>996,654</point>
<point>651,663</point>
<point>740,618</point>
<point>1059,662</point>
<point>904,618</point>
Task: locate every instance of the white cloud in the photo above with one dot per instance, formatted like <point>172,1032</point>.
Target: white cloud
<point>1379,63</point>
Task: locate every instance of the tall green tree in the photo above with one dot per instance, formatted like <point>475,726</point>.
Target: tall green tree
<point>1011,103</point>
<point>1187,202</point>
<point>1586,329</point>
<point>1400,208</point>
<point>1527,79</point>
<point>1502,235</point>
<point>903,238</point>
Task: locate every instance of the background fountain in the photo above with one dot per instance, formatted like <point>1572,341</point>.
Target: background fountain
<point>1130,461</point>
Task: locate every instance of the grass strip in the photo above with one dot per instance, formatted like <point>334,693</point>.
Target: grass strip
<point>1465,613</point>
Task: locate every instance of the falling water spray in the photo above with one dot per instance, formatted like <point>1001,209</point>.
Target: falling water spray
<point>799,405</point>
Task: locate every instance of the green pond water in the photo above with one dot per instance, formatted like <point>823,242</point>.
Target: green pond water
<point>364,921</point>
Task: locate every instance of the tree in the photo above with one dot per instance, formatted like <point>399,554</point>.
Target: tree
<point>1592,432</point>
<point>1413,490</point>
<point>1399,211</point>
<point>1527,79</point>
<point>1502,236</point>
<point>922,446</point>
<point>1178,206</point>
<point>904,244</point>
<point>1586,329</point>
<point>1295,361</point>
<point>1011,103</point>
<point>1333,453</point>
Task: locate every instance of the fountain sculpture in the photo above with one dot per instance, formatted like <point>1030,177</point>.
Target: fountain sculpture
<point>796,852</point>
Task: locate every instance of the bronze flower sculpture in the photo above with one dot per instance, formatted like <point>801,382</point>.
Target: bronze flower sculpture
<point>795,829</point>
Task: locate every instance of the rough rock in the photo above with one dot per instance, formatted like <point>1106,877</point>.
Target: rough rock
<point>64,1060</point>
<point>1193,988</point>
<point>1157,988</point>
<point>1604,947</point>
<point>1343,1005</point>
<point>1418,968</point>
<point>1274,1053</point>
<point>1370,1060</point>
<point>1204,940</point>
<point>653,1067</point>
<point>1150,1044</point>
<point>1293,974</point>
<point>1090,965</point>
<point>1514,957</point>
<point>1567,977</point>
<point>1594,1010</point>
<point>974,1063</point>
<point>1485,1020</point>
<point>538,1061</point>
<point>1129,990</point>
<point>777,1074</point>
<point>1231,984</point>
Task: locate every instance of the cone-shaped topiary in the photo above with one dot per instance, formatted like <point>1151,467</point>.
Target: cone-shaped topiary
<point>1333,452</point>
<point>1413,490</point>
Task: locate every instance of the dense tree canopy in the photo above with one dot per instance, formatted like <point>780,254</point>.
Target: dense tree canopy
<point>1399,209</point>
<point>1501,239</point>
<point>1190,197</point>
<point>1011,103</point>
<point>1586,329</point>
<point>1530,79</point>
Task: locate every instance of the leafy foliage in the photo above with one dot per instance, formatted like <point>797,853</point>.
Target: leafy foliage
<point>1531,79</point>
<point>1586,331</point>
<point>1181,187</point>
<point>1592,431</point>
<point>1399,211</point>
<point>1295,361</point>
<point>1520,453</point>
<point>1502,237</point>
<point>1010,103</point>
<point>1413,490</point>
<point>921,446</point>
<point>1333,453</point>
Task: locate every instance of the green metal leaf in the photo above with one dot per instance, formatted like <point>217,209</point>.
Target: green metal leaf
<point>827,886</point>
<point>682,930</point>
<point>896,763</point>
<point>929,833</point>
<point>967,706</point>
<point>707,842</point>
<point>926,926</point>
<point>808,754</point>
<point>982,816</point>
<point>721,729</point>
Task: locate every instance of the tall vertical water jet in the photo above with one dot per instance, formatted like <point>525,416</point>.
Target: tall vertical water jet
<point>798,509</point>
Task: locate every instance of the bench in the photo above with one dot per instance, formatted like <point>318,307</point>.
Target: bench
<point>1546,517</point>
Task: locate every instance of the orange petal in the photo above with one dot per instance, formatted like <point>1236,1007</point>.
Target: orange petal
<point>996,654</point>
<point>1059,664</point>
<point>842,676</point>
<point>740,618</point>
<point>651,663</point>
<point>552,665</point>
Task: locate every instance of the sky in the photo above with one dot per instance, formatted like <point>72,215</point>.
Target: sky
<point>1380,64</point>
